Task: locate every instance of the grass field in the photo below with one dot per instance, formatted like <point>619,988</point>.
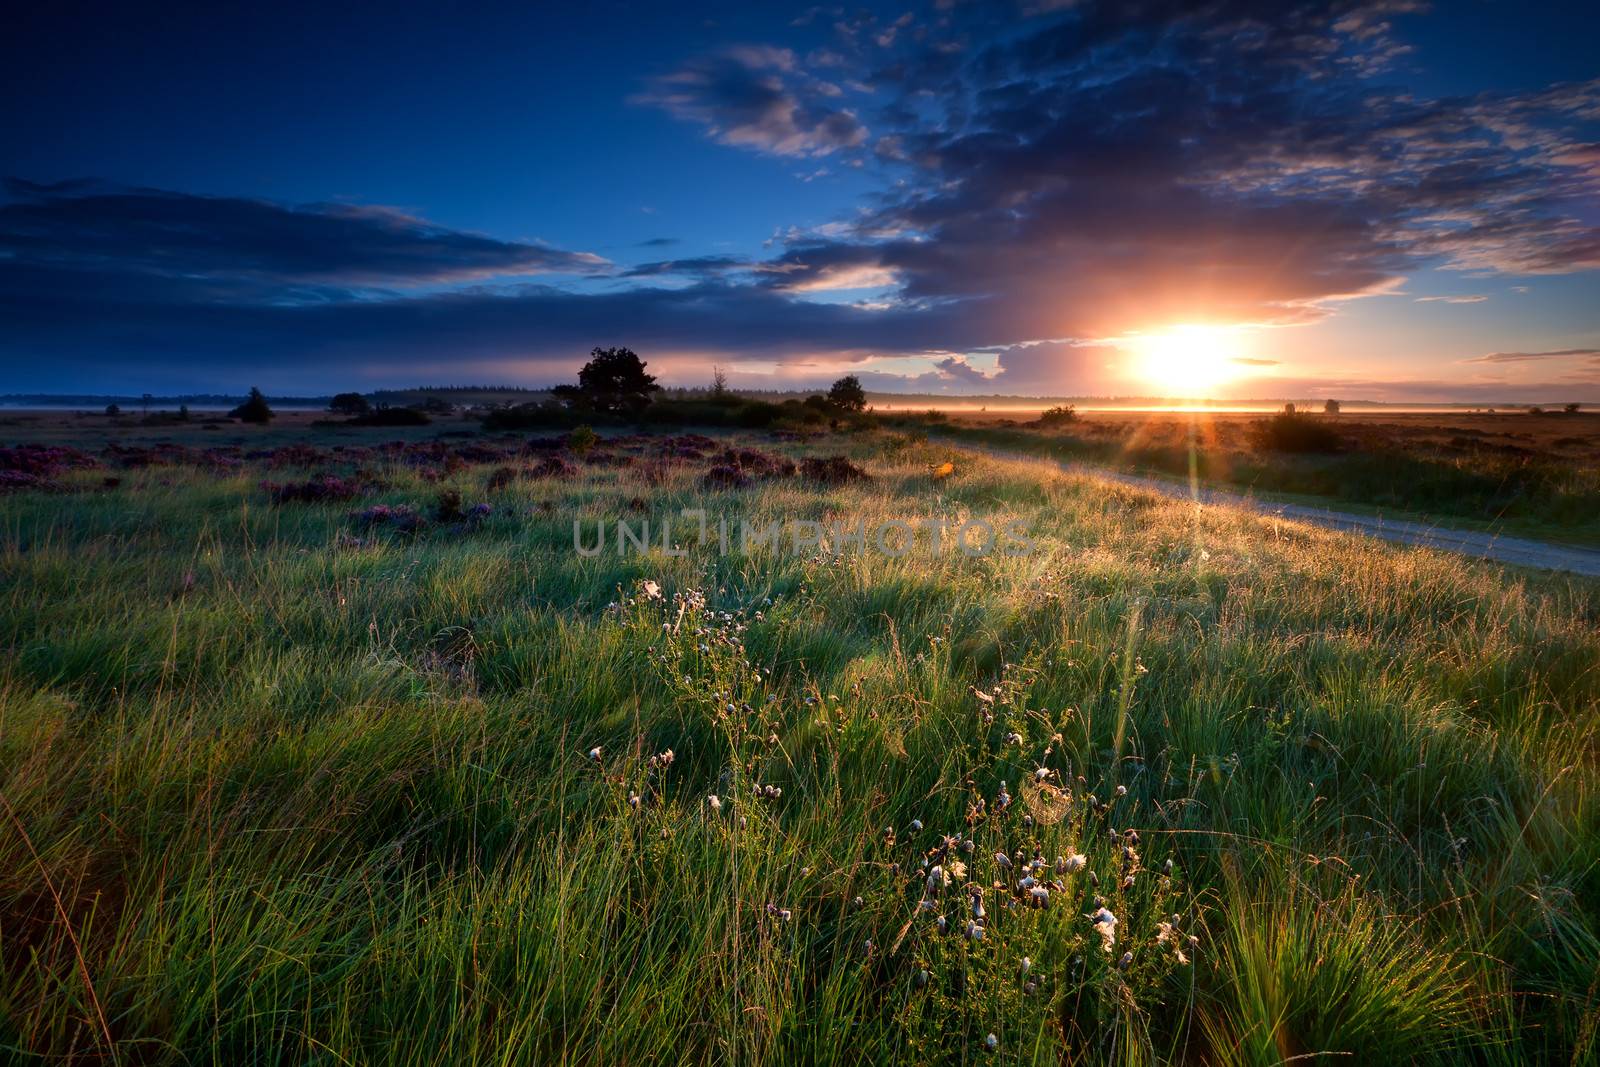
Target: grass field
<point>289,783</point>
<point>1513,472</point>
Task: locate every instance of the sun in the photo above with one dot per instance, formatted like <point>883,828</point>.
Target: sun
<point>1188,361</point>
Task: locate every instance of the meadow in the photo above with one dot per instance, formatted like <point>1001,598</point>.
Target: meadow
<point>1532,475</point>
<point>347,756</point>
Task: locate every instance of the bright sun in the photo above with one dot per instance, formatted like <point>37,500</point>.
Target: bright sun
<point>1188,360</point>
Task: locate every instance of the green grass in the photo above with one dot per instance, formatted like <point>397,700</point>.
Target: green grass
<point>274,797</point>
<point>1550,497</point>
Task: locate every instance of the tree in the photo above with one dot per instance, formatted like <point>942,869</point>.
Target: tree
<point>254,409</point>
<point>1331,408</point>
<point>846,394</point>
<point>613,381</point>
<point>349,404</point>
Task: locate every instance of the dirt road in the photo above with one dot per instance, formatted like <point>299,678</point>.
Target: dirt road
<point>1518,551</point>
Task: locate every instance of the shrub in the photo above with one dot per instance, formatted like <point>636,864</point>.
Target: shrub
<point>581,441</point>
<point>1289,432</point>
<point>254,410</point>
<point>831,470</point>
<point>846,394</point>
<point>392,417</point>
<point>312,491</point>
<point>540,416</point>
<point>349,404</point>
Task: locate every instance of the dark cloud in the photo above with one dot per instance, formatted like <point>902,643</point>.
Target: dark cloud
<point>83,226</point>
<point>758,98</point>
<point>1530,357</point>
<point>1048,182</point>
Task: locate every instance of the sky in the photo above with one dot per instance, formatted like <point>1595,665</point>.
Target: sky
<point>1366,199</point>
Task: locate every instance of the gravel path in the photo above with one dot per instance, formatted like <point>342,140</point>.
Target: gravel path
<point>1515,550</point>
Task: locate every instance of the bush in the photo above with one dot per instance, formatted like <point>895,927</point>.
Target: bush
<point>846,394</point>
<point>254,410</point>
<point>1289,432</point>
<point>349,404</point>
<point>392,417</point>
<point>542,416</point>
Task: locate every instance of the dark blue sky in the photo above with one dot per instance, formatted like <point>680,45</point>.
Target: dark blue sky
<point>1352,196</point>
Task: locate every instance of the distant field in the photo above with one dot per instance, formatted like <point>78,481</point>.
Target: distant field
<point>314,781</point>
<point>1534,475</point>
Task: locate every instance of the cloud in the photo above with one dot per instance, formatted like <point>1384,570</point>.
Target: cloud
<point>1088,170</point>
<point>1529,357</point>
<point>90,227</point>
<point>757,98</point>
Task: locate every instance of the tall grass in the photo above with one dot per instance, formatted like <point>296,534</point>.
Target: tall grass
<point>282,797</point>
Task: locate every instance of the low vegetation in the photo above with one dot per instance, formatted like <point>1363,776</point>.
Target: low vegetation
<point>397,776</point>
<point>1536,476</point>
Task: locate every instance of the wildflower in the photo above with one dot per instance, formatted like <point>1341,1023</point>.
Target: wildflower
<point>1105,924</point>
<point>1167,935</point>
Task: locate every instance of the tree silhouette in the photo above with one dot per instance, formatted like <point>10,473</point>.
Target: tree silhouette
<point>847,394</point>
<point>254,409</point>
<point>349,404</point>
<point>613,381</point>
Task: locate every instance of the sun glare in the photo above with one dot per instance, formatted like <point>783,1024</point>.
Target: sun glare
<point>1188,361</point>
